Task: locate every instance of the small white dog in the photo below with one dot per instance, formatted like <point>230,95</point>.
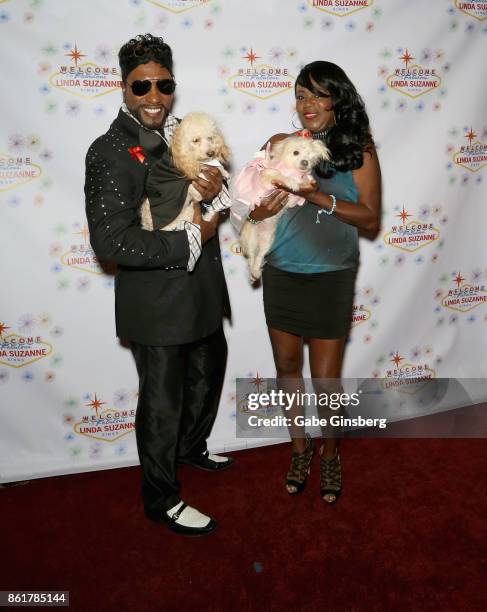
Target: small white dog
<point>197,141</point>
<point>289,161</point>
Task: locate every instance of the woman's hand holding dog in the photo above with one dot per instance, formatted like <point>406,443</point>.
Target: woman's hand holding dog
<point>308,190</point>
<point>270,205</point>
<point>210,186</point>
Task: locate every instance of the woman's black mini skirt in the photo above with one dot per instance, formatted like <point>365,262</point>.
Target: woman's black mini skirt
<point>310,305</point>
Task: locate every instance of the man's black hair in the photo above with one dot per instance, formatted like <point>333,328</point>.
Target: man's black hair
<point>142,49</point>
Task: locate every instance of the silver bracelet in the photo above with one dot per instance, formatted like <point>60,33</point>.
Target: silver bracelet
<point>327,212</point>
<point>333,205</point>
<point>253,221</point>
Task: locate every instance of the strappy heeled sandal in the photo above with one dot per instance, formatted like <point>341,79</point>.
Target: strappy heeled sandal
<point>299,469</point>
<point>330,478</point>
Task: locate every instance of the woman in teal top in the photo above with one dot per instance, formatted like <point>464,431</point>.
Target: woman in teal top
<point>310,270</point>
<point>307,241</point>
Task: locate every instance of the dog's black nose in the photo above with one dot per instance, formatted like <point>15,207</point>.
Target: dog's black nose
<point>210,153</point>
<point>304,163</point>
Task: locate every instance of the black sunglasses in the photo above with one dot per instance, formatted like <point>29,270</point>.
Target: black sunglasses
<point>141,88</point>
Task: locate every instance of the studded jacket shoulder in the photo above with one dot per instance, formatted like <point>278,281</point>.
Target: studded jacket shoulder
<point>116,170</point>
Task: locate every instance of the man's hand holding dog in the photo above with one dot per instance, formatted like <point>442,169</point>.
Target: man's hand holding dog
<point>210,186</point>
<point>208,228</point>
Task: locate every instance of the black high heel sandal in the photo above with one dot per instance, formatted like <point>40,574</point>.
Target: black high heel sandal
<point>330,478</point>
<point>299,468</point>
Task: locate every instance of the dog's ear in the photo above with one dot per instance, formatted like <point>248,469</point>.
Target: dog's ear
<point>223,152</point>
<point>181,151</point>
<point>225,155</point>
<point>277,149</point>
<point>176,147</point>
<point>320,150</point>
<point>268,150</point>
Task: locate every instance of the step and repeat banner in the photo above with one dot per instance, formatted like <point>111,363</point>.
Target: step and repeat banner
<point>68,388</point>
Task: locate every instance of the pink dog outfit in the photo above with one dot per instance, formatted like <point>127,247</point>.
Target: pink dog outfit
<point>247,188</point>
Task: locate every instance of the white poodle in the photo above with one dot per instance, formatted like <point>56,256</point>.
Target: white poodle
<point>197,141</point>
<point>289,161</point>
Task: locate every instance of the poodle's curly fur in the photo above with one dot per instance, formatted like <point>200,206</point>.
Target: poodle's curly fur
<point>197,138</point>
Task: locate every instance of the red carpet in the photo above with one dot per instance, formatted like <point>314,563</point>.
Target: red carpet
<point>407,534</point>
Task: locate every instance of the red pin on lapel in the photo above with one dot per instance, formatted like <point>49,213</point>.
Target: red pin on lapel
<point>136,153</point>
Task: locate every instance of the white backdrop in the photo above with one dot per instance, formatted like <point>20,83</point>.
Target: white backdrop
<point>68,389</point>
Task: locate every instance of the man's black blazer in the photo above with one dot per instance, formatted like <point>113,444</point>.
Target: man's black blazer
<point>157,302</point>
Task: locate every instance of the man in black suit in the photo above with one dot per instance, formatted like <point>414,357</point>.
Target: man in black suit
<point>170,291</point>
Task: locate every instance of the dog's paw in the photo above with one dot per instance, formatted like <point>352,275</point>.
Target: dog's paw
<point>294,200</point>
<point>255,274</point>
<point>292,184</point>
<point>307,182</point>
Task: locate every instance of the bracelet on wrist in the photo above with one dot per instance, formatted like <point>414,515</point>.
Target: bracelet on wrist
<point>333,205</point>
<point>327,212</point>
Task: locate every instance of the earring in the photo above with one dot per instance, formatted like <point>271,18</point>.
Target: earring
<point>296,127</point>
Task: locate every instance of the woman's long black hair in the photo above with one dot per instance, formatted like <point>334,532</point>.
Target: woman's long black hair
<point>350,137</point>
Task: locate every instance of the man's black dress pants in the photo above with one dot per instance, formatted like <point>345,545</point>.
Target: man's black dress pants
<point>179,392</point>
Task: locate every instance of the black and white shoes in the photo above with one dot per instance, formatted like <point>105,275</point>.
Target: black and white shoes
<point>184,519</point>
<point>208,462</point>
